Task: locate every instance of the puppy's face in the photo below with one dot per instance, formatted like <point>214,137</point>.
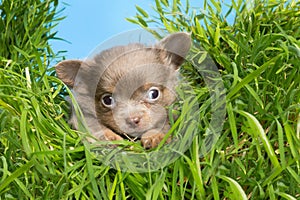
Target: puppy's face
<point>131,85</point>
<point>134,90</point>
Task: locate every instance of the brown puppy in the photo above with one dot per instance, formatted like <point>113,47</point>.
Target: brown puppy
<point>123,91</point>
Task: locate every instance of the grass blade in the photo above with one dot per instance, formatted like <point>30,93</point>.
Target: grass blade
<point>21,170</point>
<point>238,192</point>
<point>259,131</point>
<point>250,77</point>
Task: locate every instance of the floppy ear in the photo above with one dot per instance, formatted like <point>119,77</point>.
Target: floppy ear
<point>175,46</point>
<point>67,71</point>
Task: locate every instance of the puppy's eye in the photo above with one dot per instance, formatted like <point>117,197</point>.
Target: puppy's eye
<point>153,94</point>
<point>107,100</point>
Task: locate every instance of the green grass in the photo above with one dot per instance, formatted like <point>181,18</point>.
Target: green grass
<point>257,155</point>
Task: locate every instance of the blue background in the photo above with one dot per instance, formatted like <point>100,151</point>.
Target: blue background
<point>91,22</point>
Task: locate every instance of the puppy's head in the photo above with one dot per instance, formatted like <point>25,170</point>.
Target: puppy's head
<point>136,83</point>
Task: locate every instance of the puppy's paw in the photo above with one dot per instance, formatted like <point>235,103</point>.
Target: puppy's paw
<point>152,138</point>
<point>109,135</point>
<point>104,135</point>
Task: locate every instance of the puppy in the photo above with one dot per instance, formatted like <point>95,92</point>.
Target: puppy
<point>124,91</point>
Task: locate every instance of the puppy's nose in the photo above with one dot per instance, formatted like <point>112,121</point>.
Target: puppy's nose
<point>134,120</point>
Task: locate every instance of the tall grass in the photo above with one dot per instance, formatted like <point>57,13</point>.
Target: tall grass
<point>256,157</point>
<point>258,57</point>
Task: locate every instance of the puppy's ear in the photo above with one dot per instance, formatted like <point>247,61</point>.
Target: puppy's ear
<point>175,46</point>
<point>67,71</point>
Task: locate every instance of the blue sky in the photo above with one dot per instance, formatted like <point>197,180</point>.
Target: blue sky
<point>91,22</point>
